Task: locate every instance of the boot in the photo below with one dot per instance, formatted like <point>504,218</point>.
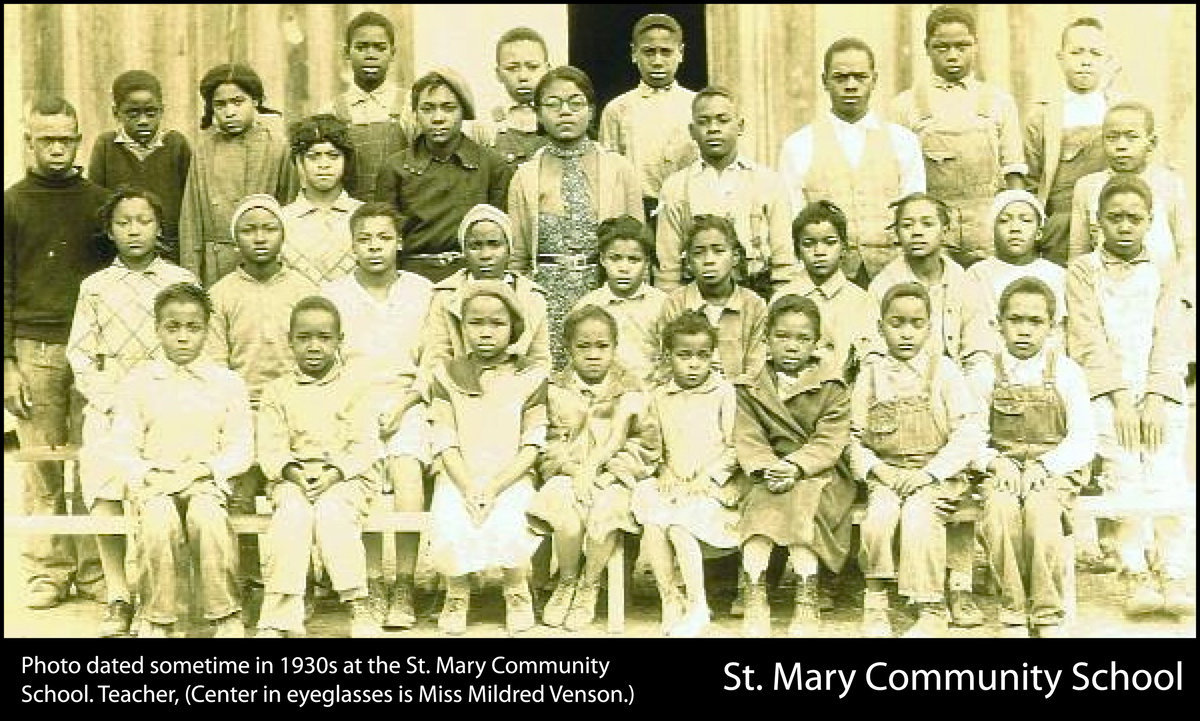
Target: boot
<point>756,623</point>
<point>931,622</point>
<point>1143,595</point>
<point>806,610</point>
<point>583,606</point>
<point>875,621</point>
<point>400,612</point>
<point>554,613</point>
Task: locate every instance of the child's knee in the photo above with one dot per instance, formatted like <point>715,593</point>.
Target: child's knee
<point>919,512</point>
<point>158,514</point>
<point>206,513</point>
<point>1001,505</point>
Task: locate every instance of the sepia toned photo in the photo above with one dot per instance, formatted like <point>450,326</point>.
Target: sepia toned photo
<point>570,321</point>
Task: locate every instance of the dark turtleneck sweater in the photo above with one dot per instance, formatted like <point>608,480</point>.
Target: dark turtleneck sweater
<point>52,241</point>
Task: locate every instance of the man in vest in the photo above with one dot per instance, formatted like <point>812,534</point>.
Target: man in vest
<point>851,157</point>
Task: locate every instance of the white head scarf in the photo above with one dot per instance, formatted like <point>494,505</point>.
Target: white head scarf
<point>1008,197</point>
<point>250,202</point>
<point>483,211</point>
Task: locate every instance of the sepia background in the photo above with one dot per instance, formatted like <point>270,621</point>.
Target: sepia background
<point>771,54</point>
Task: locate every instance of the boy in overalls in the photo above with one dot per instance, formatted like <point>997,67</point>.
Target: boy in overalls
<point>1042,441</point>
<point>968,129</point>
<point>375,108</point>
<point>915,427</point>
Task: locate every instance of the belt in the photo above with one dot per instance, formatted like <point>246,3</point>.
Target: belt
<point>574,261</point>
<point>436,259</point>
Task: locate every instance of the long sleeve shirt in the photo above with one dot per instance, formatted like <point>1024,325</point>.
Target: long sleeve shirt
<point>750,195</point>
<point>161,167</point>
<point>1152,341</point>
<point>741,328</point>
<point>318,243</point>
<point>955,410</point>
<point>52,241</point>
<point>697,428</point>
<point>331,418</point>
<point>382,337</point>
<point>637,318</point>
<point>433,194</point>
<point>113,329</point>
<point>1079,445</point>
<point>650,127</point>
<point>168,415</point>
<point>248,329</point>
<point>849,315</point>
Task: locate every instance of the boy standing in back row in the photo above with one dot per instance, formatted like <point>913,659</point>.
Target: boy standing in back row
<point>649,124</point>
<point>51,243</point>
<point>968,129</point>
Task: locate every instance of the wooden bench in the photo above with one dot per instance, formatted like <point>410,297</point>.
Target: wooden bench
<point>379,521</point>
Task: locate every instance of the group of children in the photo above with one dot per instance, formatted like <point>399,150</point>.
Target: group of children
<point>730,383</point>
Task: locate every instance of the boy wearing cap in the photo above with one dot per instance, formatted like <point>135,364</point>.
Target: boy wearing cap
<point>649,124</point>
<point>442,173</point>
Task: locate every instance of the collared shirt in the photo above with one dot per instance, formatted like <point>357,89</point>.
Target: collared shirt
<point>113,328</point>
<point>166,416</point>
<point>141,152</point>
<point>1156,342</point>
<point>650,127</point>
<point>382,336</point>
<point>1079,445</point>
<point>849,315</point>
<point>958,324</point>
<point>796,157</point>
<point>1171,237</point>
<point>697,428</point>
<point>512,132</point>
<point>750,195</point>
<point>637,317</point>
<point>992,275</point>
<point>1083,109</point>
<point>959,100</point>
<point>248,331</point>
<point>741,328</point>
<point>318,243</point>
<point>433,194</point>
<point>955,408</point>
<point>332,418</point>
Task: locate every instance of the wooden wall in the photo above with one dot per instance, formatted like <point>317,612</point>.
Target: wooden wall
<point>771,53</point>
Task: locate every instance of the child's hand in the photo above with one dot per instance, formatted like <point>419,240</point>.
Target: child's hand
<point>17,397</point>
<point>1005,475</point>
<point>479,505</point>
<point>584,485</point>
<point>326,479</point>
<point>161,482</point>
<point>780,486</point>
<point>1033,478</point>
<point>782,472</point>
<point>1153,422</point>
<point>886,475</point>
<point>1128,424</point>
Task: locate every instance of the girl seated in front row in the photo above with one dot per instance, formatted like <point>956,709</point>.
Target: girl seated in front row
<point>793,423</point>
<point>600,446</point>
<point>488,424</point>
<point>691,507</point>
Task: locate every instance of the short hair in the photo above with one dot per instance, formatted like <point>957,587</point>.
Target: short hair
<point>949,14</point>
<point>377,209</point>
<point>1122,183</point>
<point>370,18</point>
<point>132,81</point>
<point>820,211</point>
<point>1136,106</point>
<point>237,74</point>
<point>579,316</point>
<point>841,45</point>
<point>708,221</point>
<point>905,290</point>
<point>129,192</point>
<point>792,303</point>
<point>314,302</point>
<point>898,207</point>
<point>690,322</point>
<point>624,227</point>
<point>1031,285</point>
<point>324,128</point>
<point>714,91</point>
<point>182,293</point>
<point>521,34</point>
<point>1082,22</point>
<point>45,105</point>
<point>499,290</point>
<point>570,74</point>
